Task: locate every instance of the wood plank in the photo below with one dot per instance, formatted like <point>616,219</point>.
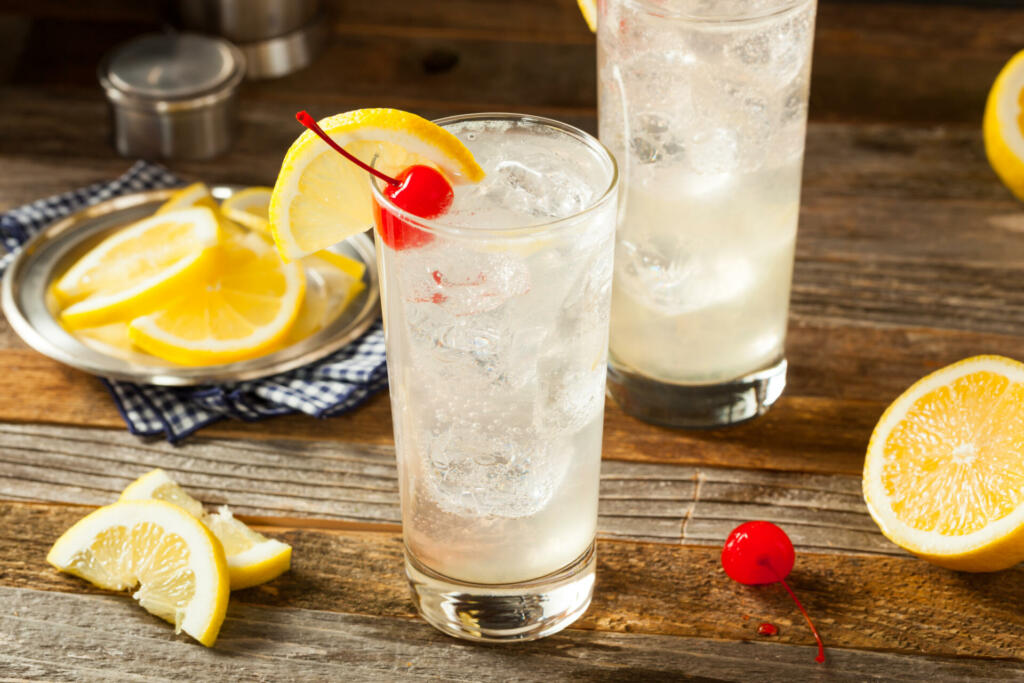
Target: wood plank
<point>354,483</point>
<point>54,636</point>
<point>895,604</point>
<point>841,378</point>
<point>873,61</point>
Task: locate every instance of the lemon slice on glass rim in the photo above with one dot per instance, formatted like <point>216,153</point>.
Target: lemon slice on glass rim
<point>320,198</point>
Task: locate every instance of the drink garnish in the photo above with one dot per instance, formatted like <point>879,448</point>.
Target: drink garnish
<point>323,197</point>
<point>756,553</point>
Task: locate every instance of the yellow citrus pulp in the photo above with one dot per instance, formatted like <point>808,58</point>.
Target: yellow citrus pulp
<point>197,285</point>
<point>944,472</point>
<point>252,558</point>
<point>174,561</point>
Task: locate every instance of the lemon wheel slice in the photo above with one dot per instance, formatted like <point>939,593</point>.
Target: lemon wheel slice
<point>252,558</point>
<point>320,198</point>
<point>174,560</point>
<point>944,472</point>
<point>242,310</point>
<point>1004,125</point>
<point>133,270</point>
<point>196,194</point>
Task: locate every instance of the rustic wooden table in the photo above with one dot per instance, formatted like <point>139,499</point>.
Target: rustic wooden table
<point>909,257</point>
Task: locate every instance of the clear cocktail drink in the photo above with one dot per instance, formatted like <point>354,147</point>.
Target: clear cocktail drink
<point>496,315</point>
<point>704,103</point>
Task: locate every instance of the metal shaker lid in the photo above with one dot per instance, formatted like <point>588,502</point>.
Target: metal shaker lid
<point>172,69</point>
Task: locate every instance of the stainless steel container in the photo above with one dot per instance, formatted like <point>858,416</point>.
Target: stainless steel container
<point>173,95</point>
<point>247,21</point>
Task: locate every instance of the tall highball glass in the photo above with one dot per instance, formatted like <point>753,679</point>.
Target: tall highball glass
<point>496,315</point>
<point>704,104</point>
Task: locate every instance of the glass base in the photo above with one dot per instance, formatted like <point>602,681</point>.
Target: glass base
<point>498,613</point>
<point>700,406</point>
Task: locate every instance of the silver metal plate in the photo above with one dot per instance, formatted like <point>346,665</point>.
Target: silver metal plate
<point>49,253</point>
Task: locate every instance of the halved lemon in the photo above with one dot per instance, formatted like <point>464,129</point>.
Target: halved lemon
<point>133,270</point>
<point>944,472</point>
<point>588,8</point>
<point>252,558</point>
<point>249,207</point>
<point>196,194</point>
<point>244,308</point>
<point>320,198</point>
<point>174,560</point>
<point>1004,125</point>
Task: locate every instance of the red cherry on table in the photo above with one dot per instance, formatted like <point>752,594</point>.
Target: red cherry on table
<point>422,191</point>
<point>757,553</point>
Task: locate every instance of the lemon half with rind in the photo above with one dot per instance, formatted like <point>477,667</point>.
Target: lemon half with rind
<point>175,561</point>
<point>252,558</point>
<point>320,198</point>
<point>944,472</point>
<point>1004,125</point>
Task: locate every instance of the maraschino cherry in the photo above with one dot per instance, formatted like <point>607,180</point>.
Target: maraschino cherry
<point>760,552</point>
<point>421,190</point>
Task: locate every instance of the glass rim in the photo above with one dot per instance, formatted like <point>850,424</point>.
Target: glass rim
<point>437,226</point>
<point>672,14</point>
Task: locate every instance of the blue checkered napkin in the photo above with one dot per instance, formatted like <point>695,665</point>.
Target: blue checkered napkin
<point>331,386</point>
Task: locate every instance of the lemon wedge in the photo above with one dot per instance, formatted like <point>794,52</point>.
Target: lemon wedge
<point>249,207</point>
<point>588,8</point>
<point>944,472</point>
<point>132,271</point>
<point>252,558</point>
<point>196,194</point>
<point>320,198</point>
<point>243,309</point>
<point>174,560</point>
<point>1004,125</point>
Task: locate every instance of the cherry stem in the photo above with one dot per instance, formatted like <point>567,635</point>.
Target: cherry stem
<point>765,562</point>
<point>821,646</point>
<point>309,122</point>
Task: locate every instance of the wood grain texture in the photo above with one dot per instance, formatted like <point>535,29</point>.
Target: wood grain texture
<point>873,61</point>
<point>841,378</point>
<point>351,483</point>
<point>895,604</point>
<point>53,636</point>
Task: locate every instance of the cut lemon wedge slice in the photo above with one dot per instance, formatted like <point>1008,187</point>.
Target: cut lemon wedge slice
<point>174,560</point>
<point>320,198</point>
<point>249,207</point>
<point>196,194</point>
<point>252,558</point>
<point>1004,125</point>
<point>243,309</point>
<point>944,472</point>
<point>133,270</point>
